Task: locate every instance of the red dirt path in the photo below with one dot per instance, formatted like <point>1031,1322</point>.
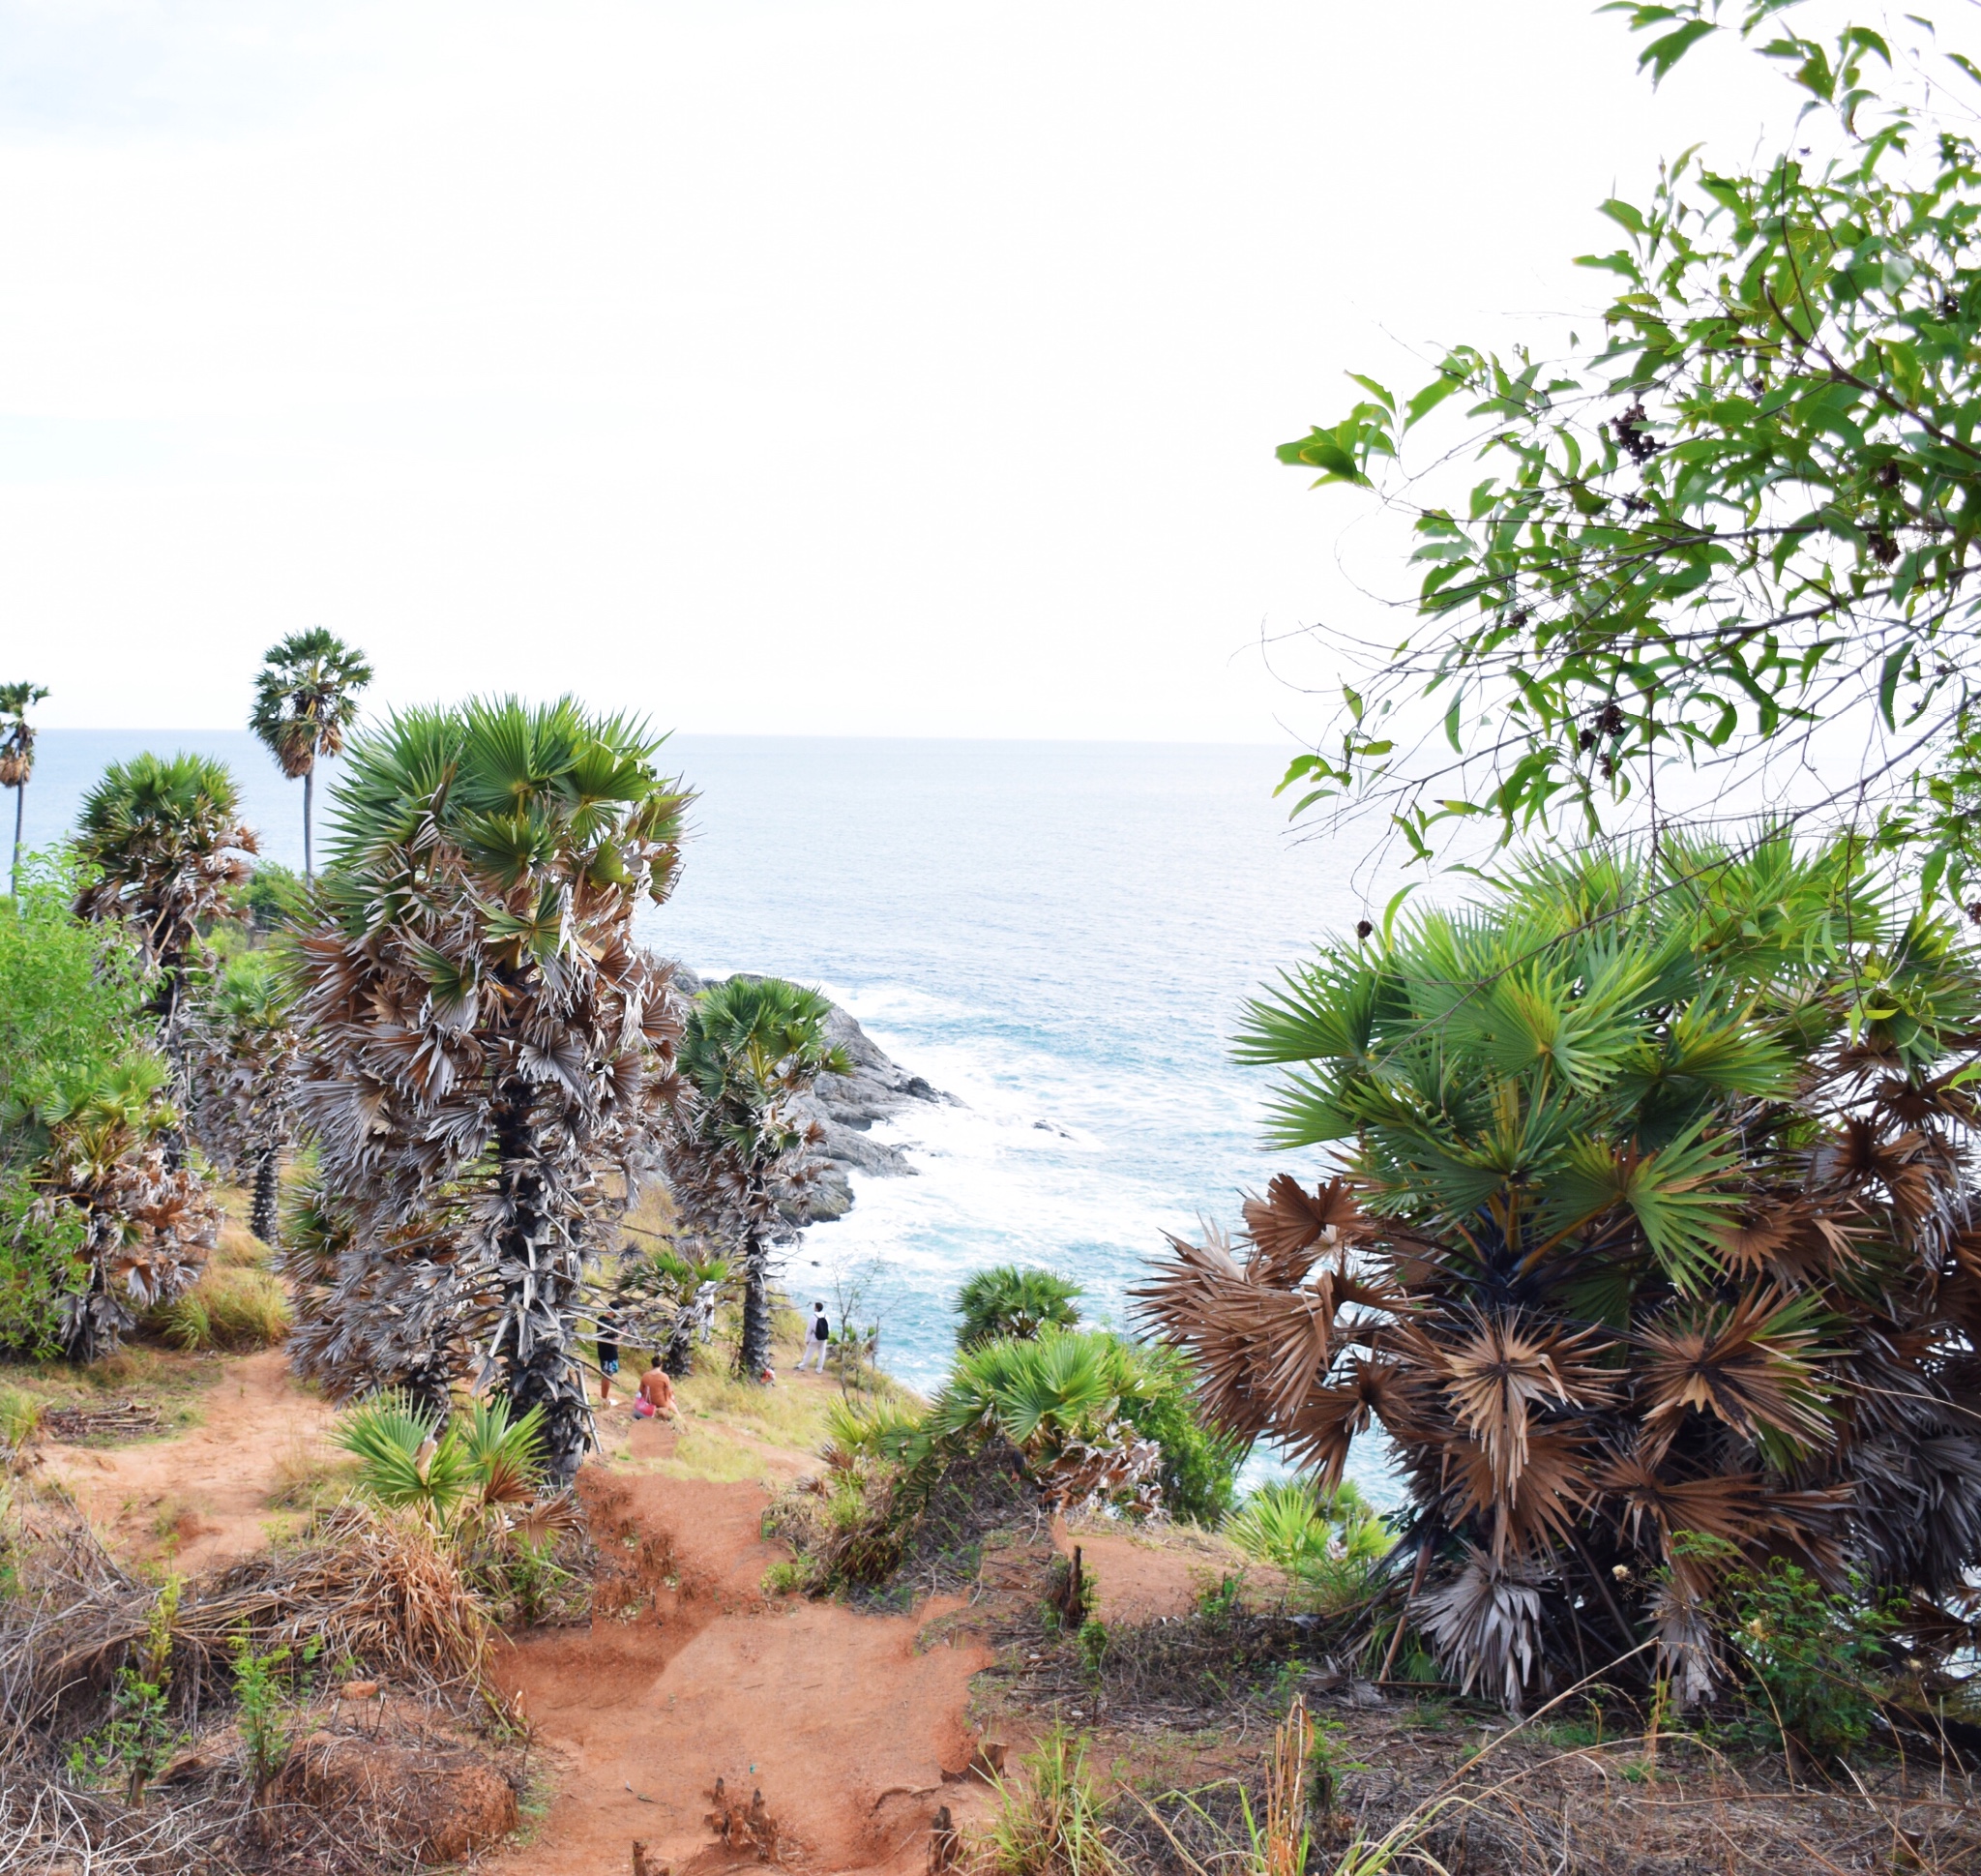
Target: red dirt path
<point>834,1716</point>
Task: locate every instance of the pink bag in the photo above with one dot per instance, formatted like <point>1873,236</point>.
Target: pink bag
<point>642,1409</point>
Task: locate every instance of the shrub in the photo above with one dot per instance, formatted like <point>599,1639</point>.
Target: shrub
<point>1199,1472</point>
<point>1047,1821</point>
<point>20,1418</point>
<point>1069,1395</point>
<point>267,1728</point>
<point>1008,1303</point>
<point>231,1307</point>
<point>273,896</point>
<point>40,1265</point>
<point>1811,1659</point>
<point>482,1462</point>
<point>69,992</point>
<point>1330,1541</point>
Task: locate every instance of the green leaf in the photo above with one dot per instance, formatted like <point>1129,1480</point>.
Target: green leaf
<point>1662,54</point>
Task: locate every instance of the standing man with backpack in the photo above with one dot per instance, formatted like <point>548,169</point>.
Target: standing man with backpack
<point>816,1338</point>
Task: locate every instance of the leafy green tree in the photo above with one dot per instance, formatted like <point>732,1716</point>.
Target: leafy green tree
<point>1006,1300</point>
<point>17,756</point>
<point>1739,520</point>
<point>1655,1219</point>
<point>162,846</point>
<point>486,1050</point>
<point>305,700</point>
<point>71,994</point>
<point>736,1151</point>
<point>71,998</point>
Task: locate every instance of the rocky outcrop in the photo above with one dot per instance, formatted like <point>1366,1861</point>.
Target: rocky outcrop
<point>845,1108</point>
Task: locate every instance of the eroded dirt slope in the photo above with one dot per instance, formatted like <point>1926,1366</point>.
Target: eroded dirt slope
<point>840,1720</point>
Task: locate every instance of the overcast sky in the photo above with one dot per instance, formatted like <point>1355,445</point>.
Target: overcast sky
<point>904,370</point>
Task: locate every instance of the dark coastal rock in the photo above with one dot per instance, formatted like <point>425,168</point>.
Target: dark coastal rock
<point>844,1108</point>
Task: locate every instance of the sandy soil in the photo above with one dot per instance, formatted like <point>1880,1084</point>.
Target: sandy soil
<point>838,1717</point>
<point>1142,1575</point>
<point>202,1494</point>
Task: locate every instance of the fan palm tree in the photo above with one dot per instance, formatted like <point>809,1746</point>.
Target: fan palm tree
<point>736,1153</point>
<point>101,1131</point>
<point>241,1049</point>
<point>305,700</point>
<point>1652,1252</point>
<point>161,843</point>
<point>18,758</point>
<point>484,1045</point>
<point>1006,1300</point>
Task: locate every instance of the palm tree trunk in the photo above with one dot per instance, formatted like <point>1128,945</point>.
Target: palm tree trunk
<point>262,1216</point>
<point>679,1356</point>
<point>535,1346</point>
<point>309,806</point>
<point>752,1358</point>
<point>20,809</point>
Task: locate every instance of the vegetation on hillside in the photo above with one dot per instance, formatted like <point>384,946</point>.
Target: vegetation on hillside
<point>1008,1301</point>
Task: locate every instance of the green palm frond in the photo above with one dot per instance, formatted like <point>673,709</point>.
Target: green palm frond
<point>401,1463</point>
<point>1006,1300</point>
<point>503,1456</point>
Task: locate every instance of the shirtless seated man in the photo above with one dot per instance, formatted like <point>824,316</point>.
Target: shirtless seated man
<point>657,1391</point>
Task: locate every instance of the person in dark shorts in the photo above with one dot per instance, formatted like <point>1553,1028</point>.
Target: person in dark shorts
<point>608,1355</point>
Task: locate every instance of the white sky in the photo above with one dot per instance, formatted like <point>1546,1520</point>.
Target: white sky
<point>906,369</point>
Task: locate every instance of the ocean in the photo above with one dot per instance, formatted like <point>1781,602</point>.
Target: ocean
<point>1061,936</point>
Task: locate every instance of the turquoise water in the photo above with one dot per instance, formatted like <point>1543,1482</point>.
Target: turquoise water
<point>1060,935</point>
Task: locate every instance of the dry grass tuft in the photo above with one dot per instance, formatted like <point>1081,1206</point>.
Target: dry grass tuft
<point>379,1589</point>
<point>309,1477</point>
<point>233,1307</point>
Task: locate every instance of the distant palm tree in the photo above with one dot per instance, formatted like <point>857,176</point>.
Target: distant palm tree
<point>243,1052</point>
<point>161,843</point>
<point>751,1045</point>
<point>306,698</point>
<point>485,1049</point>
<point>17,756</point>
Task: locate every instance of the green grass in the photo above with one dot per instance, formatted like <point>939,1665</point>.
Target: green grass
<point>235,1308</point>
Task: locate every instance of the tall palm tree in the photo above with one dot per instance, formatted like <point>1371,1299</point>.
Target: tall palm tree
<point>1652,1249</point>
<point>18,758</point>
<point>306,699</point>
<point>242,1053</point>
<point>162,843</point>
<point>485,1049</point>
<point>736,1153</point>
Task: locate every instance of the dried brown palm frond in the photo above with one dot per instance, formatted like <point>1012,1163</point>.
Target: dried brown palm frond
<point>1530,1512</point>
<point>1505,1370</point>
<point>1289,1223</point>
<point>1747,1364</point>
<point>1485,1622</point>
